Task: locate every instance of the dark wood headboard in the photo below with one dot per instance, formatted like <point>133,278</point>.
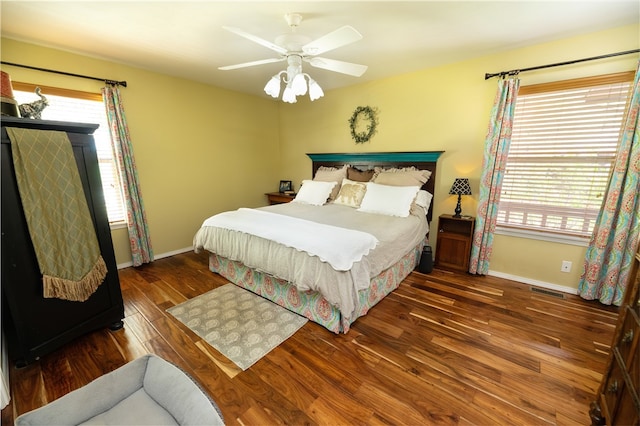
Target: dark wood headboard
<point>424,160</point>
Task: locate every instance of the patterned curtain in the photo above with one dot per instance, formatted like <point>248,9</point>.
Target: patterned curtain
<point>139,238</point>
<point>617,230</point>
<point>493,166</point>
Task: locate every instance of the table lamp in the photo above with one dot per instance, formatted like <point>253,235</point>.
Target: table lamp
<point>460,187</point>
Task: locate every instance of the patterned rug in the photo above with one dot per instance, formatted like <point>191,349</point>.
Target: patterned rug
<point>242,326</point>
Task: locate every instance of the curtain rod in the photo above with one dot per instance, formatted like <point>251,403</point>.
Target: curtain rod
<point>106,80</point>
<point>487,76</point>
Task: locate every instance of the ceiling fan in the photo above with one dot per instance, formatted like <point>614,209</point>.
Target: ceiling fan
<point>295,49</point>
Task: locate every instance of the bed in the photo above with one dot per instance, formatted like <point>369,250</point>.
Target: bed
<point>270,250</point>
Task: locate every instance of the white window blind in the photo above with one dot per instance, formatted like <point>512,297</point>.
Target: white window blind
<point>564,141</point>
<point>82,107</point>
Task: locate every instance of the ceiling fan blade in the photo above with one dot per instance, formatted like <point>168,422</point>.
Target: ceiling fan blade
<point>257,39</point>
<point>333,40</point>
<point>251,64</point>
<point>355,70</point>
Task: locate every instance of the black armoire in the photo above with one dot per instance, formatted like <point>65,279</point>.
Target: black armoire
<point>32,324</point>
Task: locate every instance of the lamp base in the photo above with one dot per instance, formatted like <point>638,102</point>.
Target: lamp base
<point>458,209</point>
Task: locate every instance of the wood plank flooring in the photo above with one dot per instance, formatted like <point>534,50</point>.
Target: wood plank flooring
<point>444,348</point>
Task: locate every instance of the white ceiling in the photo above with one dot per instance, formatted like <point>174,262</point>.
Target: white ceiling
<point>186,39</point>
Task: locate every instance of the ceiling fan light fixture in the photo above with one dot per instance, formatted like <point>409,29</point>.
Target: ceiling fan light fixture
<point>299,85</point>
<point>296,86</point>
<point>272,88</point>
<point>315,91</point>
<point>288,95</point>
<point>296,48</point>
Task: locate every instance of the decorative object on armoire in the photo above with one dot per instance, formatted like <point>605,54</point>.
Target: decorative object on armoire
<point>460,187</point>
<point>363,124</point>
<point>35,325</point>
<point>34,109</point>
<point>296,48</point>
<point>9,105</point>
<point>57,214</point>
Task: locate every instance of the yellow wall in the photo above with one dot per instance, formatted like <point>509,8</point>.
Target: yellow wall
<point>201,150</point>
<point>447,108</point>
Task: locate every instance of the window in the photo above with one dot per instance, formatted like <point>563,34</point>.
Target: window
<point>564,141</point>
<point>83,107</point>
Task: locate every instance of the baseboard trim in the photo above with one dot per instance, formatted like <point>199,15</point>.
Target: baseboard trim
<point>542,284</point>
<point>158,256</point>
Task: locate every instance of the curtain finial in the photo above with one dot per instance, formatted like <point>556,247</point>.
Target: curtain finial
<point>116,83</point>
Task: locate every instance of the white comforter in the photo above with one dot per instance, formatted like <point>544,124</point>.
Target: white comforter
<point>300,234</point>
<point>396,237</point>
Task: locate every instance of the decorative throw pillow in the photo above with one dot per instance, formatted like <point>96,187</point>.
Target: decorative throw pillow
<point>359,175</point>
<point>314,192</point>
<point>420,205</point>
<point>388,200</point>
<point>351,193</point>
<point>408,176</point>
<point>331,174</point>
<point>423,199</point>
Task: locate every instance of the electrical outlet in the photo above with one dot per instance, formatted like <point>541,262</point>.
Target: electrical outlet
<point>566,266</point>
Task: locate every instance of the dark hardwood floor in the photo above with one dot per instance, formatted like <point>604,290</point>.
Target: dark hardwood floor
<point>444,348</point>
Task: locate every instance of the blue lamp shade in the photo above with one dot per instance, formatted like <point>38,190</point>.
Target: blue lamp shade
<point>460,187</point>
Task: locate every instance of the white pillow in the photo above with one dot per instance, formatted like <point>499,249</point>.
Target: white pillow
<point>351,193</point>
<point>314,192</point>
<point>388,200</point>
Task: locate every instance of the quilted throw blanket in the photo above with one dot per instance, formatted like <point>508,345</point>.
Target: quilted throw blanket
<point>57,214</point>
<point>300,234</point>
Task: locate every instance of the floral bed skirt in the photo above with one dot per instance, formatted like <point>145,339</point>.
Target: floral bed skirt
<point>309,303</point>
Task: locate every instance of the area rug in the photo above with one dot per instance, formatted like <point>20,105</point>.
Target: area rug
<point>242,326</point>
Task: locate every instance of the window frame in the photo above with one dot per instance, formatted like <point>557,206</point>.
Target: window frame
<point>559,236</point>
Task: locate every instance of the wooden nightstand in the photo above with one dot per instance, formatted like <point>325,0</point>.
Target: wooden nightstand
<point>455,235</point>
<point>279,197</point>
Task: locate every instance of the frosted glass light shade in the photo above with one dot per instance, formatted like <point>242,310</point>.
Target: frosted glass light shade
<point>299,85</point>
<point>289,96</point>
<point>272,87</point>
<point>295,86</point>
<point>315,91</point>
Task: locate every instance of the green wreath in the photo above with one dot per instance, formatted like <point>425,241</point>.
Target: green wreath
<point>364,114</point>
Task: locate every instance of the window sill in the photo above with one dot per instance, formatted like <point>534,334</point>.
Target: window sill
<point>543,236</point>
